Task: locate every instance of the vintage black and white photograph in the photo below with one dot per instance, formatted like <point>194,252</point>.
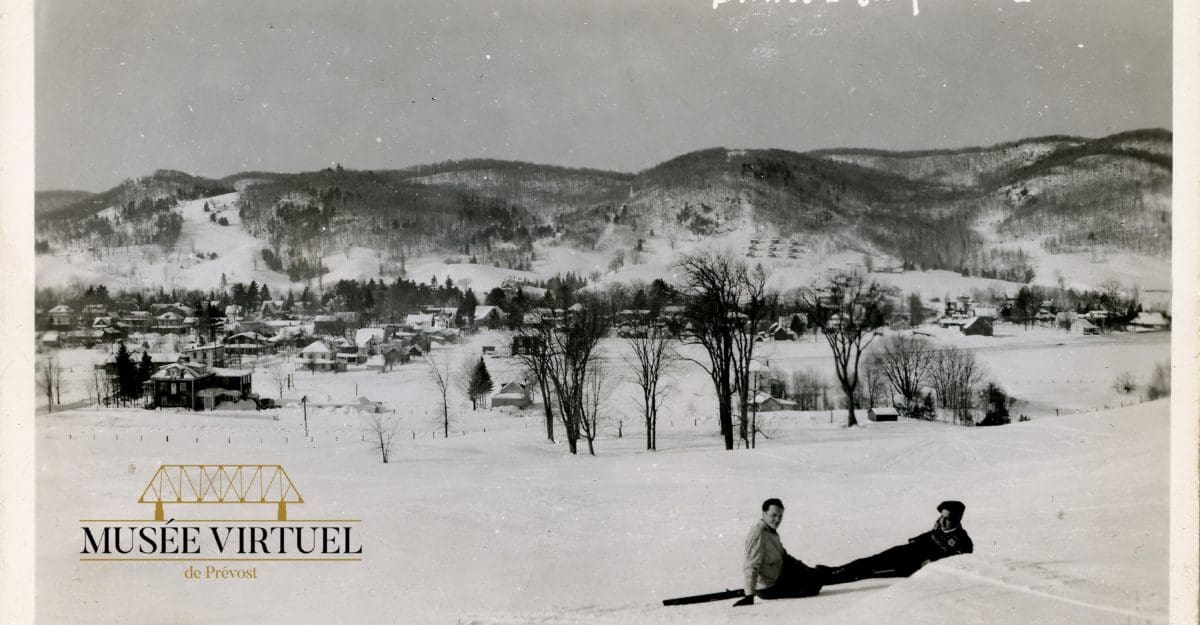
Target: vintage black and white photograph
<point>673,311</point>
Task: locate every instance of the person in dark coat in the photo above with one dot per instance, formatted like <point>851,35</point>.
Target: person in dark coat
<point>947,538</point>
<point>770,572</point>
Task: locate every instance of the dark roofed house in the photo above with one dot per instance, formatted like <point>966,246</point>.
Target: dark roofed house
<point>233,379</point>
<point>176,385</point>
<point>977,326</point>
<point>247,344</point>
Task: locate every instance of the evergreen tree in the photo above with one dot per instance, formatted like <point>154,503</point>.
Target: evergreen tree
<point>238,294</point>
<point>481,383</point>
<point>145,368</point>
<point>466,308</point>
<point>128,385</point>
<point>496,297</point>
<point>916,312</point>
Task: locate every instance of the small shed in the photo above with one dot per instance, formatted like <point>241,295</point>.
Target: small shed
<point>884,413</point>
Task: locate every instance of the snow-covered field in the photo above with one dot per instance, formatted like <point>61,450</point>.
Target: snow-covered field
<point>496,525</point>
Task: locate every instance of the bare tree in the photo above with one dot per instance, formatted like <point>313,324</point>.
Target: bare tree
<point>652,353</point>
<point>905,362</point>
<point>807,389</point>
<point>723,301</point>
<point>45,380</point>
<point>58,383</point>
<point>466,369</point>
<point>874,382</point>
<point>595,392</point>
<point>439,372</point>
<point>848,309</point>
<point>956,375</point>
<point>570,353</point>
<point>278,373</point>
<point>383,434</point>
<point>755,304</point>
<point>534,335</point>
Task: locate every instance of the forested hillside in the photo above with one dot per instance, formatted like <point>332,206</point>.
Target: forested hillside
<point>135,212</point>
<point>931,210</point>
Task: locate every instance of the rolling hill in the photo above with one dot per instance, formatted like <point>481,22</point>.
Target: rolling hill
<point>1008,212</point>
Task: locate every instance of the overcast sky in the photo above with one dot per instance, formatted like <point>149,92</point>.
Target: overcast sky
<point>216,87</point>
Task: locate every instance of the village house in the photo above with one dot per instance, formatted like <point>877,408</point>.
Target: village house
<point>138,320</point>
<point>416,322</point>
<point>194,386</point>
<point>394,352</point>
<point>766,403</point>
<point>522,345</point>
<point>247,344</point>
<point>175,385</point>
<point>92,311</point>
<point>489,316</point>
<point>515,394</point>
<point>345,352</point>
<point>208,355</point>
<point>169,322</point>
<point>328,324</point>
<point>977,326</point>
<point>441,316</point>
<point>317,357</point>
<point>368,340</point>
<point>61,317</point>
<point>81,338</point>
<point>271,309</point>
<point>1150,322</point>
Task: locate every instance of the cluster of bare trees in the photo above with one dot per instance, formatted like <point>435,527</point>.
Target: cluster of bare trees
<point>653,353</point>
<point>912,364</point>
<point>724,302</point>
<point>563,357</point>
<point>49,381</point>
<point>848,309</point>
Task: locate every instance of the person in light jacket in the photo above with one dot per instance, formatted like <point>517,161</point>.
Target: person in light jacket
<point>947,538</point>
<point>770,573</point>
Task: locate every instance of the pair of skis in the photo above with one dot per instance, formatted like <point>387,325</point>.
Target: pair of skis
<point>712,596</point>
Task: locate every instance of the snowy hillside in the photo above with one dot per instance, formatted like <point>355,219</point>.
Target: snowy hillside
<point>495,525</point>
<point>1054,210</point>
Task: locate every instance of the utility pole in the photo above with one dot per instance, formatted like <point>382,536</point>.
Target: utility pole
<point>304,405</point>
